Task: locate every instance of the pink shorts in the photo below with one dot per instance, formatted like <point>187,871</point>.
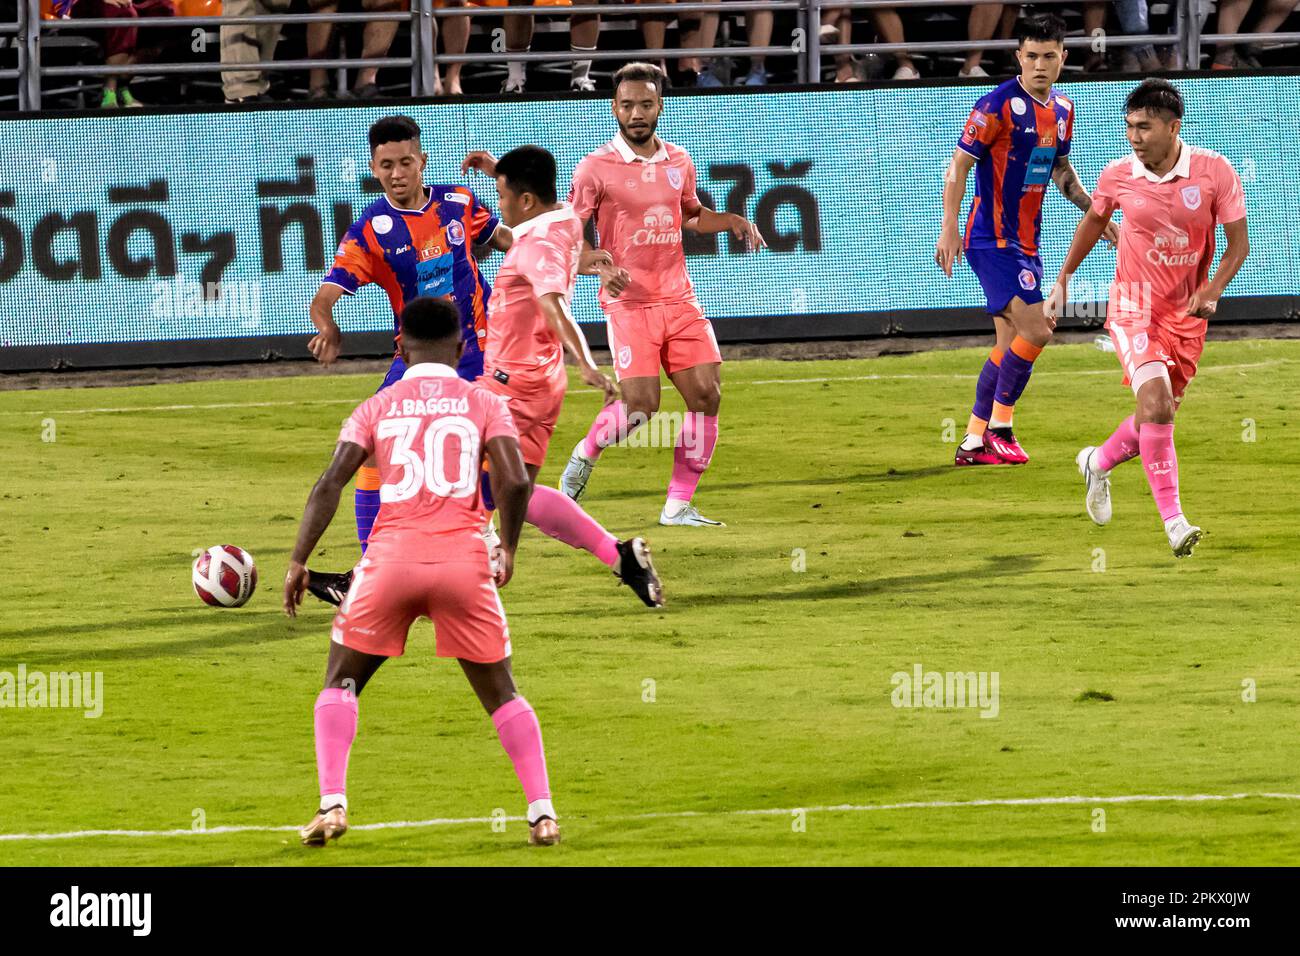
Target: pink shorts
<point>460,598</point>
<point>535,405</point>
<point>644,337</point>
<point>1139,342</point>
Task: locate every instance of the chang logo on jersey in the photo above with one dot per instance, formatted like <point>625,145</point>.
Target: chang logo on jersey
<point>1170,248</point>
<point>658,228</point>
<point>408,407</point>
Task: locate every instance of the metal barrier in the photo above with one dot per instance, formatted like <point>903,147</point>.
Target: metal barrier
<point>1185,38</point>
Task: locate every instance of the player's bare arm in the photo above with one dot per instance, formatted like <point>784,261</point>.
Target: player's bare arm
<point>947,251</point>
<point>707,222</point>
<point>561,322</point>
<point>1086,235</point>
<point>502,238</point>
<point>1067,181</point>
<point>321,505</point>
<point>1205,300</point>
<point>510,490</point>
<point>599,262</point>
<point>328,341</point>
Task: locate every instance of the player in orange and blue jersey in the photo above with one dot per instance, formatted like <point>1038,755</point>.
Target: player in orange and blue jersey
<point>1018,139</point>
<point>415,240</point>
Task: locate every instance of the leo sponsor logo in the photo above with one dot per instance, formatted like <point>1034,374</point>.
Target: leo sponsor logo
<point>1170,248</point>
<point>431,250</point>
<point>658,228</point>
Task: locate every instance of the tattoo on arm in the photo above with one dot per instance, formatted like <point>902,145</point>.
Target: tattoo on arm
<point>1067,181</point>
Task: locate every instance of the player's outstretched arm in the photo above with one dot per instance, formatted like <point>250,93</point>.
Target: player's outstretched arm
<point>1205,300</point>
<point>511,491</point>
<point>1067,181</point>
<point>561,322</point>
<point>707,222</point>
<point>599,262</point>
<point>947,251</point>
<point>321,505</point>
<point>328,341</point>
<point>1086,235</point>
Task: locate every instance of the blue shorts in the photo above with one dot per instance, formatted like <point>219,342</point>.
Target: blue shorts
<point>1007,274</point>
<point>470,368</point>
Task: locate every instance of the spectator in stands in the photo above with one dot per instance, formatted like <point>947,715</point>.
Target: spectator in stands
<point>584,31</point>
<point>376,39</point>
<point>1133,21</point>
<point>1272,14</point>
<point>837,27</point>
<point>249,43</point>
<point>985,19</point>
<point>455,41</point>
<point>703,33</point>
<point>123,45</point>
<point>654,33</point>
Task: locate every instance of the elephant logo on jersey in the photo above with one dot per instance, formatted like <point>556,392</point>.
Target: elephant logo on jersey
<point>624,356</point>
<point>1171,247</point>
<point>658,228</point>
<point>674,178</point>
<point>1027,279</point>
<point>1191,197</point>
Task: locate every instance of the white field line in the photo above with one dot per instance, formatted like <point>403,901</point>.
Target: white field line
<point>683,814</point>
<point>591,391</point>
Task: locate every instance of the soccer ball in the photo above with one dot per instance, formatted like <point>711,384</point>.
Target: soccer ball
<point>225,576</point>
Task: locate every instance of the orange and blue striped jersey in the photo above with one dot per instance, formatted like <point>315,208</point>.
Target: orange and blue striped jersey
<point>1016,141</point>
<point>425,251</point>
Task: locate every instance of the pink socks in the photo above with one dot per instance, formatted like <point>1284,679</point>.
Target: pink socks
<point>609,428</point>
<point>1119,447</point>
<point>336,728</point>
<point>695,444</point>
<point>556,514</point>
<point>1161,464</point>
<point>521,736</point>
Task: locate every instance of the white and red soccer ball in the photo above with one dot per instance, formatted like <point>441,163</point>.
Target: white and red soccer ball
<point>225,576</point>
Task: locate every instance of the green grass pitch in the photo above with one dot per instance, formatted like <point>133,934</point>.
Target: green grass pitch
<point>853,551</point>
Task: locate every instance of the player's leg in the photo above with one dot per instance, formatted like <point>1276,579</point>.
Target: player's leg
<point>1032,333</point>
<point>519,39</point>
<point>694,363</point>
<point>636,338</point>
<point>584,32</point>
<point>701,388</point>
<point>1155,424</point>
<point>557,515</point>
<point>521,738</point>
<point>971,450</point>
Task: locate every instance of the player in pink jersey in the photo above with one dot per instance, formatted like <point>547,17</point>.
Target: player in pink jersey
<point>1173,196</point>
<point>529,329</point>
<point>429,434</point>
<point>641,191</point>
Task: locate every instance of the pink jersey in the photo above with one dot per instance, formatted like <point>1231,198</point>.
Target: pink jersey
<point>427,433</point>
<point>639,205</point>
<point>542,260</point>
<point>1166,239</point>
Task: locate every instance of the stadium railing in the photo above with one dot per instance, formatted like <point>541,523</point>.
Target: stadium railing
<point>1185,38</point>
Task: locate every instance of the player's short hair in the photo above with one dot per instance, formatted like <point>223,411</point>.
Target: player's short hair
<point>393,129</point>
<point>429,319</point>
<point>1042,27</point>
<point>530,169</point>
<point>1158,97</point>
<point>640,73</point>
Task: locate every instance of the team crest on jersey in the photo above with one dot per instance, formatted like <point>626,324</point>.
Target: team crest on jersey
<point>456,233</point>
<point>1191,197</point>
<point>1060,129</point>
<point>674,178</point>
<point>624,356</point>
<point>1140,342</point>
<point>1018,106</point>
<point>1027,280</point>
<point>383,225</point>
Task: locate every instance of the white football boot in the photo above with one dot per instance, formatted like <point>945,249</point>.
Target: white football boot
<point>573,480</point>
<point>1183,536</point>
<point>688,516</point>
<point>1097,498</point>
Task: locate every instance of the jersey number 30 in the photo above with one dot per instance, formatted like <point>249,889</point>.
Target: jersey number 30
<point>430,470</point>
